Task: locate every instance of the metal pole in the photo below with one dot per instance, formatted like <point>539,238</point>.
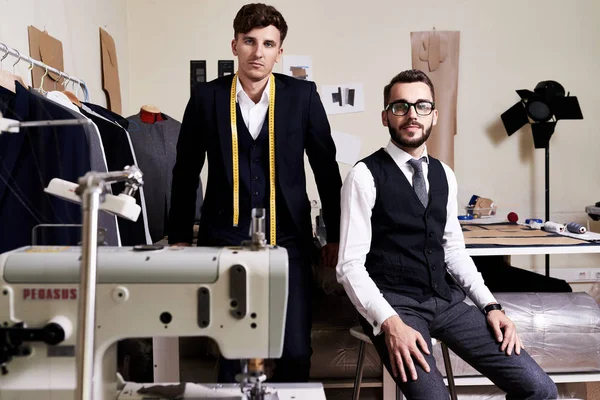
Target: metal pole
<point>87,292</point>
<point>40,64</point>
<point>547,198</point>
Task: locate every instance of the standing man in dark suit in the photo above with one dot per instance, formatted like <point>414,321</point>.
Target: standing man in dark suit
<point>254,127</point>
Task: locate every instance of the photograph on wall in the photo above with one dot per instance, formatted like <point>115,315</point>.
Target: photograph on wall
<point>300,67</point>
<point>344,98</point>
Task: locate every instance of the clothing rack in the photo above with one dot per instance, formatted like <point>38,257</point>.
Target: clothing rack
<point>13,126</point>
<point>32,62</point>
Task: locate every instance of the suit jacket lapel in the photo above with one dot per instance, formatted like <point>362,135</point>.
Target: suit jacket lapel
<point>222,99</point>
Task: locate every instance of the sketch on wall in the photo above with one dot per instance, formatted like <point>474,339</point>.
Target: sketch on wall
<point>344,98</point>
<point>300,67</point>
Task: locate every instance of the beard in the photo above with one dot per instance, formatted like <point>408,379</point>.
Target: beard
<point>412,143</point>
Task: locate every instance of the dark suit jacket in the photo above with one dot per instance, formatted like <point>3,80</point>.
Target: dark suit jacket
<point>300,125</point>
<point>28,161</point>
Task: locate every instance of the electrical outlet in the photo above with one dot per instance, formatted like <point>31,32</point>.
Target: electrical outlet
<point>574,275</point>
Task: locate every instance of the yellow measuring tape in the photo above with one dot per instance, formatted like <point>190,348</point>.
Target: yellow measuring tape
<point>235,157</point>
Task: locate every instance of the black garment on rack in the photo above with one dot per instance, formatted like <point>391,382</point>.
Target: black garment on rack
<point>28,161</point>
<point>155,148</point>
<point>119,154</point>
<point>113,116</point>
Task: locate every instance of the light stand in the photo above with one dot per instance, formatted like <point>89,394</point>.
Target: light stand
<point>547,198</point>
<point>542,108</point>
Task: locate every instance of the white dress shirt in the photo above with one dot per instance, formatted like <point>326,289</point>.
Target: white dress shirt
<point>253,114</point>
<point>358,200</point>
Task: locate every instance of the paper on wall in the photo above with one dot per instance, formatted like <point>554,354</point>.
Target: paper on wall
<point>300,67</point>
<point>343,98</point>
<point>347,147</point>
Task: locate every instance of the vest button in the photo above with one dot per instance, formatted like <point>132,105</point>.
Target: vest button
<point>256,193</point>
<point>433,267</point>
<point>431,234</point>
<point>429,251</point>
<point>255,178</point>
<point>256,162</point>
<point>434,285</point>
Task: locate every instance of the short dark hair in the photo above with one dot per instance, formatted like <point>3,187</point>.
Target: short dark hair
<point>258,15</point>
<point>408,76</point>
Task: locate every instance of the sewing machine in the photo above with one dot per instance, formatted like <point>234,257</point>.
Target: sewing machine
<point>237,296</point>
<point>63,309</point>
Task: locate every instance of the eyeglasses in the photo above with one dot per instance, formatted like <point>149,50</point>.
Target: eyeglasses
<point>400,108</point>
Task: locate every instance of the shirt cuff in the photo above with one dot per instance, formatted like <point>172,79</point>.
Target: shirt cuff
<point>483,298</point>
<point>381,313</point>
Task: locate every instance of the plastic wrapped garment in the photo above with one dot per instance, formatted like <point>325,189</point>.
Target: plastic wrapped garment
<point>561,331</point>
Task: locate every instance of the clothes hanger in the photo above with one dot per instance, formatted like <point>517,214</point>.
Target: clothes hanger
<point>76,89</point>
<point>18,78</point>
<point>6,78</point>
<point>69,94</point>
<point>41,88</point>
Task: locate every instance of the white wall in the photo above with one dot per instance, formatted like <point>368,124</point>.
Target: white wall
<point>76,24</point>
<point>504,46</point>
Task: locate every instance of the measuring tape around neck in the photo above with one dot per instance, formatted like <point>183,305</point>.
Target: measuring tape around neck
<point>235,157</point>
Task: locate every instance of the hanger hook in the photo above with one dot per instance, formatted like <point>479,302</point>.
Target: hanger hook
<point>18,60</point>
<point>5,52</point>
<point>58,79</point>
<point>66,80</point>
<point>42,82</point>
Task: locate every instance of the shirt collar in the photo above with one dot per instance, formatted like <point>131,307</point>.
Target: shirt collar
<point>400,156</point>
<point>239,91</point>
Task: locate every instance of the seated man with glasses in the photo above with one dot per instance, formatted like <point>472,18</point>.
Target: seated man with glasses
<point>403,263</point>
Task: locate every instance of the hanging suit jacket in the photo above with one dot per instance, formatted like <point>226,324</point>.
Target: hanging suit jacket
<point>119,154</point>
<point>28,161</point>
<point>108,114</point>
<point>300,125</point>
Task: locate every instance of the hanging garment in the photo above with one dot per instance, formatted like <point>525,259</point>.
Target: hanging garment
<point>112,116</point>
<point>106,221</point>
<point>28,161</point>
<point>119,154</point>
<point>155,147</point>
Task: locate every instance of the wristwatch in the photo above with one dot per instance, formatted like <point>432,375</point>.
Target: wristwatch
<point>491,307</point>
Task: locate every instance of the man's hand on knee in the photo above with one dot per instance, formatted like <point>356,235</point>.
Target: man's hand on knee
<point>505,332</point>
<point>403,343</point>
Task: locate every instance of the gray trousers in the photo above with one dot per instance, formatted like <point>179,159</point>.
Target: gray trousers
<point>464,329</point>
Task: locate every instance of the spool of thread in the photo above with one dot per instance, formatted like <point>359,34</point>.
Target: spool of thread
<point>576,228</point>
<point>554,227</point>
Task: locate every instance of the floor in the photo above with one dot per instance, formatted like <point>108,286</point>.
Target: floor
<point>193,370</point>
